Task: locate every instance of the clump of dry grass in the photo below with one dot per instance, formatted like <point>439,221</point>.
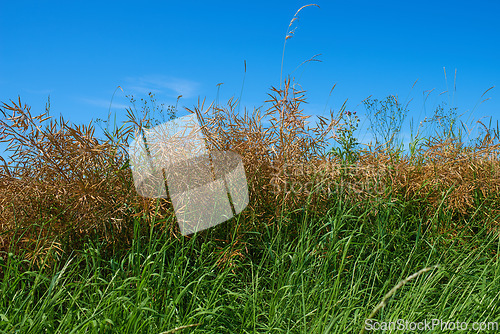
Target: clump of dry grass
<point>60,184</point>
<point>444,174</point>
<point>269,142</point>
<point>63,184</point>
<point>459,176</point>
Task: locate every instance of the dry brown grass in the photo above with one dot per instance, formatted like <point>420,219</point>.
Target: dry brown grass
<point>63,184</point>
<point>60,184</point>
<point>444,174</point>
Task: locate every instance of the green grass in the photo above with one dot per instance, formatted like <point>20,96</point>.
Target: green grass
<point>301,275</point>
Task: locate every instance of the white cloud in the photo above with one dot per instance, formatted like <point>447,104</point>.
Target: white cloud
<point>103,103</point>
<point>170,86</point>
<point>141,90</point>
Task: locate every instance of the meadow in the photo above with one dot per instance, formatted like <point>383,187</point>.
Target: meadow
<point>333,238</point>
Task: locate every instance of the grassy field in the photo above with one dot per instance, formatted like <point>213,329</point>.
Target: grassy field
<point>299,275</point>
<point>334,239</point>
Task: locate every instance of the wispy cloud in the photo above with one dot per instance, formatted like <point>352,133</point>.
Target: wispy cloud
<point>141,90</point>
<point>170,86</point>
<point>103,103</point>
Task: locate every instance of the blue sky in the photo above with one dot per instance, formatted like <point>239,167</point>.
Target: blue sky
<point>80,51</point>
